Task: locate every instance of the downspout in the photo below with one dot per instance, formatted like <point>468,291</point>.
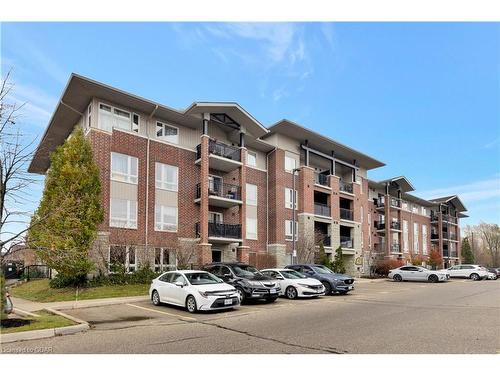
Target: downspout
<point>147,180</point>
<point>267,198</point>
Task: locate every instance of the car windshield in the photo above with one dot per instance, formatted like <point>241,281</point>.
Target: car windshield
<point>290,274</point>
<point>321,269</point>
<point>202,278</point>
<point>243,270</point>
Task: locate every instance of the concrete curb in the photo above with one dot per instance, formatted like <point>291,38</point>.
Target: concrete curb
<point>36,334</point>
<point>24,313</point>
<point>82,304</point>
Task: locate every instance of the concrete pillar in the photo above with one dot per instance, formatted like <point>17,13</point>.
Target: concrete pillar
<point>279,251</point>
<point>243,181</point>
<point>387,219</point>
<point>305,189</point>
<point>204,248</point>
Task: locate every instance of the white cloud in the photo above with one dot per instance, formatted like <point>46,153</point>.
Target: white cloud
<point>492,143</point>
<point>475,191</point>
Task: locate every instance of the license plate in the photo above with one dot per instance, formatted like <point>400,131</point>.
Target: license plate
<point>228,302</point>
<point>272,291</point>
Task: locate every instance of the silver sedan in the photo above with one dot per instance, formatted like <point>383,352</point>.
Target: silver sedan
<point>416,273</point>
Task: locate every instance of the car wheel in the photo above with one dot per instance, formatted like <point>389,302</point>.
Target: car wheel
<point>397,278</point>
<point>241,294</point>
<point>328,287</point>
<point>155,297</point>
<point>191,304</point>
<point>433,279</point>
<point>291,292</point>
<point>474,276</point>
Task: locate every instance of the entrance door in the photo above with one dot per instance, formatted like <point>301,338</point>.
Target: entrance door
<point>216,255</point>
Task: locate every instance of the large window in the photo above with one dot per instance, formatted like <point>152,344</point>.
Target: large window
<point>289,230</point>
<point>289,198</point>
<point>122,258</point>
<point>167,177</point>
<point>251,158</point>
<point>164,259</point>
<point>251,195</point>
<point>111,117</point>
<point>167,132</point>
<point>415,238</point>
<point>424,239</point>
<point>405,236</point>
<point>123,168</point>
<point>290,163</point>
<point>251,228</point>
<point>123,213</point>
<point>165,218</point>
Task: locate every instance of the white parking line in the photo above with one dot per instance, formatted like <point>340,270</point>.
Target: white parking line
<point>164,313</point>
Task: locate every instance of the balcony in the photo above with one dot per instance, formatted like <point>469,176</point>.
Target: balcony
<point>434,218</point>
<point>395,202</point>
<point>326,240</point>
<point>393,225</point>
<point>434,236</point>
<point>395,248</point>
<point>321,209</point>
<point>346,187</point>
<point>346,214</point>
<point>449,219</point>
<point>222,157</point>
<point>222,233</point>
<point>322,179</point>
<point>346,242</point>
<point>221,194</point>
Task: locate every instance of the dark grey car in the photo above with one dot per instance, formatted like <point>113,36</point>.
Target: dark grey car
<point>333,282</point>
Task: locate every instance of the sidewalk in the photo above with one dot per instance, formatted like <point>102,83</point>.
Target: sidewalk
<point>364,280</point>
<point>29,306</point>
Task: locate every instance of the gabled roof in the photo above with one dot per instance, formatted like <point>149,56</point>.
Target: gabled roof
<point>453,199</point>
<point>322,143</point>
<point>402,181</point>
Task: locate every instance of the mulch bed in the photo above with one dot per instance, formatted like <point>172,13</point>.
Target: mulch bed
<point>8,323</point>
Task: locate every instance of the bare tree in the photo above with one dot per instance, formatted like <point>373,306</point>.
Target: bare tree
<point>490,234</point>
<point>15,154</point>
<point>306,246</point>
<point>186,253</point>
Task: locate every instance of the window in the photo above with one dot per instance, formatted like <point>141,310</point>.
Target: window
<point>123,213</point>
<point>89,116</point>
<point>111,117</point>
<point>165,218</point>
<point>405,206</point>
<point>163,260</point>
<point>290,164</point>
<point>167,177</point>
<point>415,238</point>
<point>289,230</point>
<point>251,228</point>
<point>215,217</point>
<point>251,195</point>
<point>252,158</point>
<point>424,211</point>
<point>405,236</point>
<point>414,209</point>
<point>123,257</point>
<point>135,122</point>
<point>123,168</point>
<point>424,239</point>
<point>289,198</point>
<point>167,132</point>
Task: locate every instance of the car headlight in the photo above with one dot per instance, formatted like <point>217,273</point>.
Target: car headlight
<point>304,285</point>
<point>203,294</point>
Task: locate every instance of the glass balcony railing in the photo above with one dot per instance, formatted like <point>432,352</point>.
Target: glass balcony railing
<point>346,242</point>
<point>346,187</point>
<point>220,189</point>
<point>346,214</point>
<point>221,230</point>
<point>322,209</point>
<point>322,179</point>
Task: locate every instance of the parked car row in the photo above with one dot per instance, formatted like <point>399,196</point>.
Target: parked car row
<point>467,271</point>
<point>227,285</point>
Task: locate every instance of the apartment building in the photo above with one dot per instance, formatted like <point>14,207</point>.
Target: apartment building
<point>212,182</point>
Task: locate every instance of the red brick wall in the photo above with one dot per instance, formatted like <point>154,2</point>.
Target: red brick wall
<point>257,177</point>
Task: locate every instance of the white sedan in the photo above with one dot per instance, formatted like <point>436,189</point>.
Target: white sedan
<point>294,284</point>
<point>194,290</point>
<point>416,273</point>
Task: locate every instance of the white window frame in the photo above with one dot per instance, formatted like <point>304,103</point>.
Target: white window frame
<point>416,249</point>
<point>249,201</point>
<point>127,177</point>
<point>289,230</point>
<point>113,114</point>
<point>162,183</point>
<point>423,211</point>
<point>135,127</point>
<point>162,266</point>
<point>251,235</point>
<point>164,124</point>
<point>128,265</point>
<point>405,236</point>
<point>221,216</point>
<point>254,154</point>
<point>129,223</point>
<point>424,239</point>
<point>289,198</point>
<point>294,164</point>
<point>161,226</point>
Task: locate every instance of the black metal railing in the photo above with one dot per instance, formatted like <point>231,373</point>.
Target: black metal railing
<point>395,248</point>
<point>379,202</point>
<point>220,189</point>
<point>322,209</point>
<point>346,242</point>
<point>221,230</point>
<point>37,271</point>
<point>346,214</point>
<point>322,179</point>
<point>346,187</point>
<point>393,225</point>
<point>325,239</point>
<point>449,219</point>
<point>434,236</point>
<point>434,217</point>
<point>220,149</point>
<point>446,253</point>
<point>395,202</point>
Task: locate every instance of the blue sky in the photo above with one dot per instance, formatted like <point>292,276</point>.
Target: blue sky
<point>421,97</point>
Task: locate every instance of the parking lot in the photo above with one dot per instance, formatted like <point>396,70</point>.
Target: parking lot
<point>459,316</point>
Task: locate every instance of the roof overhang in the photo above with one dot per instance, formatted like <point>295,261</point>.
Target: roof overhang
<point>454,200</point>
<point>401,181</point>
<point>323,144</point>
<point>234,111</point>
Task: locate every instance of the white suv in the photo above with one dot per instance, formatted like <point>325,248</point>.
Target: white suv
<point>469,271</point>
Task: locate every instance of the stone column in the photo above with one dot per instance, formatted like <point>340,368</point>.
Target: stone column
<point>204,247</point>
<point>335,207</point>
<point>387,219</point>
<point>305,190</point>
<point>242,250</point>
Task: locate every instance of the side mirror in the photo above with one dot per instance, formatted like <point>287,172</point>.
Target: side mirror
<point>279,277</point>
<point>180,284</point>
<point>227,276</point>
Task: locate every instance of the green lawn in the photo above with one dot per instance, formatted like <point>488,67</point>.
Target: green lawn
<point>44,321</point>
<point>40,291</point>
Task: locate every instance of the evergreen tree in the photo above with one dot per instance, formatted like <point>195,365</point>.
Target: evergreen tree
<point>467,254</point>
<point>71,203</point>
<point>338,261</point>
<point>322,257</point>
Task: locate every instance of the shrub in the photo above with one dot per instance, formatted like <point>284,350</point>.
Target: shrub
<point>62,281</point>
<point>338,265</point>
<point>417,260</point>
<point>3,300</point>
<point>383,267</point>
<point>435,259</point>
